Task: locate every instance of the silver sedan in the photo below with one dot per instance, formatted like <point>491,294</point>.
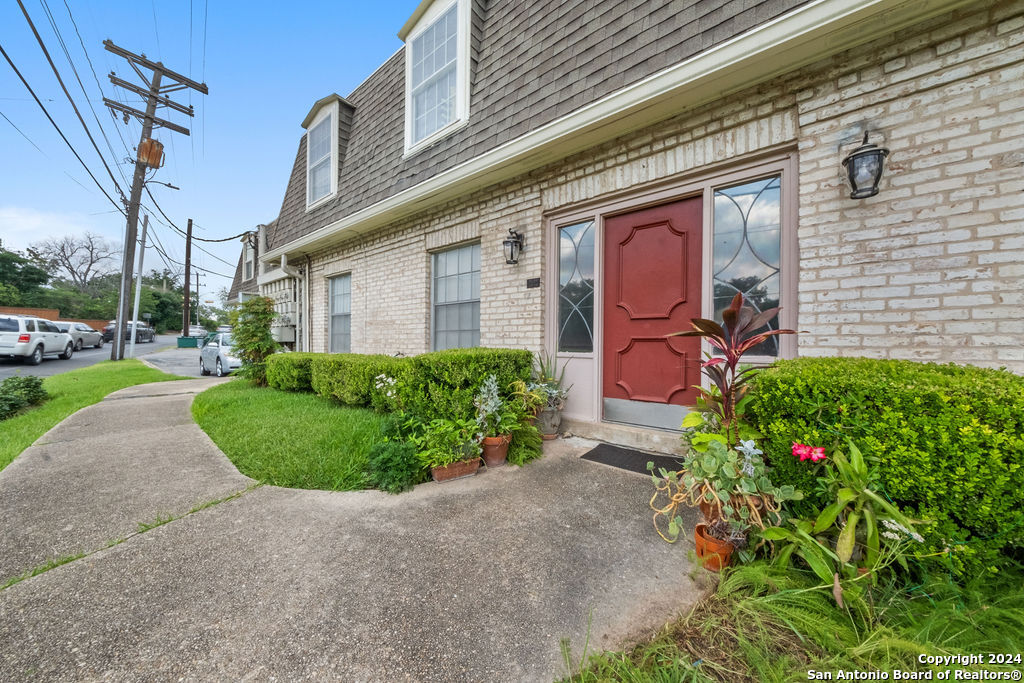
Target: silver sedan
<point>216,356</point>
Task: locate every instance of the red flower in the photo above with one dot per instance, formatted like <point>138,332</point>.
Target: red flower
<point>801,451</point>
<point>817,453</point>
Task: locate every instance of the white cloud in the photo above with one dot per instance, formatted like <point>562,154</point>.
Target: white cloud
<point>20,226</point>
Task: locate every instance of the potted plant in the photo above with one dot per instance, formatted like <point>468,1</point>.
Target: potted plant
<point>449,448</point>
<point>497,420</point>
<point>547,382</point>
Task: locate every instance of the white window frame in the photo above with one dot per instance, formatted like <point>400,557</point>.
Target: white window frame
<point>248,262</point>
<point>331,315</point>
<point>433,292</point>
<point>436,11</point>
<point>328,111</point>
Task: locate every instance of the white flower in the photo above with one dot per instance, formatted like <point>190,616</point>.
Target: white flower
<point>890,535</point>
<point>749,448</point>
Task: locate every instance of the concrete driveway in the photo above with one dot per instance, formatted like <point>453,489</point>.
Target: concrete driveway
<point>474,580</point>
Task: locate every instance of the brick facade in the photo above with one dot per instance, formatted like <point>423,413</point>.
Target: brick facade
<point>930,269</point>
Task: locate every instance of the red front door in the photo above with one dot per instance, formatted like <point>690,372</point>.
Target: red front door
<point>652,279</point>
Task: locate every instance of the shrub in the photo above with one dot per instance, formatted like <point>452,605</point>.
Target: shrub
<point>949,442</point>
<point>290,371</point>
<point>349,377</point>
<point>29,387</point>
<point>525,445</point>
<point>10,403</point>
<point>251,337</point>
<point>444,383</point>
<point>394,467</point>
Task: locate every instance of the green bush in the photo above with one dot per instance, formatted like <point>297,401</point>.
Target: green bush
<point>349,377</point>
<point>10,403</point>
<point>252,341</point>
<point>29,387</point>
<point>290,371</point>
<point>443,384</point>
<point>949,442</point>
<point>394,467</point>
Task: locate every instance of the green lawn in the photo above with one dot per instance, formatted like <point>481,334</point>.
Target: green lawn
<point>765,624</point>
<point>289,439</point>
<point>69,392</point>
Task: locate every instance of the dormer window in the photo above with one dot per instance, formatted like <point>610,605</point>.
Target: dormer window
<point>437,72</point>
<point>321,156</point>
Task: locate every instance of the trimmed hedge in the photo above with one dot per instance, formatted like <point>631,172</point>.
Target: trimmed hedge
<point>290,371</point>
<point>349,377</point>
<point>949,441</point>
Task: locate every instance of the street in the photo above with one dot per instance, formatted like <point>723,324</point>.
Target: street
<point>52,365</point>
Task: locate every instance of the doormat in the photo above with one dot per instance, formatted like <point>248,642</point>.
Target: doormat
<point>628,459</point>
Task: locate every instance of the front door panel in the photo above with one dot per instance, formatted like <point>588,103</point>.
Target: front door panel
<point>652,280</point>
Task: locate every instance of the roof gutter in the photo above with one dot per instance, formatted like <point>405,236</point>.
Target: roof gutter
<point>811,32</point>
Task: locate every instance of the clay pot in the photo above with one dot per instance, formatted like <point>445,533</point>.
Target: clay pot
<point>496,449</point>
<point>548,422</point>
<point>457,470</point>
<point>713,553</point>
<point>711,510</point>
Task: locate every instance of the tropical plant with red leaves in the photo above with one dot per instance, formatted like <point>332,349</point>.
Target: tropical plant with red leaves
<point>730,342</point>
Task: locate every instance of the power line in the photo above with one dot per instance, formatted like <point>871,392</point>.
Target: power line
<point>60,80</point>
<point>182,232</point>
<point>22,134</point>
<point>63,137</point>
<point>74,69</point>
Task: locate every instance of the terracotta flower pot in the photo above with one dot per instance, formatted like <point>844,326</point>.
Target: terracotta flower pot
<point>496,449</point>
<point>713,553</point>
<point>457,470</point>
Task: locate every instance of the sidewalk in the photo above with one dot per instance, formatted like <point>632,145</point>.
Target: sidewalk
<point>474,580</point>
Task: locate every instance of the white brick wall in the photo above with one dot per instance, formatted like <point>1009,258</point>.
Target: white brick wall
<point>929,269</point>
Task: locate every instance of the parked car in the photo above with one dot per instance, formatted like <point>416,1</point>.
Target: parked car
<point>216,356</point>
<point>144,333</point>
<point>32,338</point>
<point>197,331</point>
<point>81,334</point>
<point>224,328</point>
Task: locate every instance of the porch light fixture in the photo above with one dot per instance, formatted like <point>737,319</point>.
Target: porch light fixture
<point>864,169</point>
<point>513,245</point>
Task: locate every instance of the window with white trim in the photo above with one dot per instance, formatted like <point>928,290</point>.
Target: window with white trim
<point>437,74</point>
<point>321,143</point>
<point>456,297</point>
<point>341,313</point>
<point>248,254</point>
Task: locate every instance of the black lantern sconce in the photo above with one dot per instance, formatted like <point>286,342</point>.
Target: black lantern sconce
<point>864,169</point>
<point>513,245</point>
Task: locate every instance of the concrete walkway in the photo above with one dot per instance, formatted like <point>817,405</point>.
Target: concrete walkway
<point>474,580</point>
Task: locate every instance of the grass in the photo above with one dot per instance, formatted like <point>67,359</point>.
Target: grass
<point>289,439</point>
<point>69,392</point>
<point>766,625</point>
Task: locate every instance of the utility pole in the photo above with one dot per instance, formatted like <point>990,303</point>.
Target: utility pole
<point>149,154</point>
<point>138,287</point>
<point>197,297</point>
<point>185,318</point>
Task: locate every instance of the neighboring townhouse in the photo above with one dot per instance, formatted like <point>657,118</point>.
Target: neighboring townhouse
<point>652,159</point>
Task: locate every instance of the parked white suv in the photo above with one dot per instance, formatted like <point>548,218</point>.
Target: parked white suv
<point>31,338</point>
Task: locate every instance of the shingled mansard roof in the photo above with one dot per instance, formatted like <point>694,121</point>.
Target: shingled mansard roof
<point>541,61</point>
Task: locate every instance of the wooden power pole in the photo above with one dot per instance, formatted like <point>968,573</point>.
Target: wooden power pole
<point>149,155</point>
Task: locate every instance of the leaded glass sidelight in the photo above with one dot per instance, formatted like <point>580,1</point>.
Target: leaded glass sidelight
<point>746,253</point>
<point>576,287</point>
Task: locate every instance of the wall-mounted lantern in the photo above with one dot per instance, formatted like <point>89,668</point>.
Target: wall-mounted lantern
<point>864,169</point>
<point>513,245</point>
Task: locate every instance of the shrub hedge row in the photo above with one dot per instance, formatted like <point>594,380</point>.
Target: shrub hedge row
<point>949,442</point>
<point>440,384</point>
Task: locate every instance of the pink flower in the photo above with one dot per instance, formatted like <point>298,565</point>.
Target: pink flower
<point>801,451</point>
<point>817,453</point>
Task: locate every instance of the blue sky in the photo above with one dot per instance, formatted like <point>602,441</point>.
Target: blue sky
<point>265,63</point>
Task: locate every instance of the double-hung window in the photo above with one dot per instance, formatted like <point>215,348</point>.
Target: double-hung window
<point>321,171</point>
<point>456,286</point>
<point>249,260</point>
<point>437,74</point>
<point>341,313</point>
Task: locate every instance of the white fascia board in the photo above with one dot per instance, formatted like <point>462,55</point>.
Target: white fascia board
<point>809,33</point>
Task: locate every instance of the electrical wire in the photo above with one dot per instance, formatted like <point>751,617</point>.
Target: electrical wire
<point>183,233</point>
<point>74,106</point>
<point>22,134</point>
<point>59,131</point>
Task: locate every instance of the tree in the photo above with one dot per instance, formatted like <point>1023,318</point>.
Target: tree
<point>78,259</point>
<point>19,274</point>
<point>251,338</point>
